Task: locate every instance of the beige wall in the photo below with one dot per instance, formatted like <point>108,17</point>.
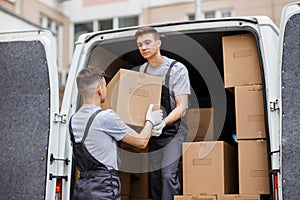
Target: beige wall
<point>270,8</point>
<point>170,13</point>
<point>179,12</point>
<point>7,5</point>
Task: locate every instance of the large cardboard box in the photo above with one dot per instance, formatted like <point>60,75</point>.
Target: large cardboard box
<point>241,62</point>
<point>253,167</point>
<point>140,187</point>
<point>130,93</point>
<point>209,168</point>
<point>125,183</point>
<point>195,197</point>
<point>249,108</point>
<point>238,197</point>
<point>200,122</point>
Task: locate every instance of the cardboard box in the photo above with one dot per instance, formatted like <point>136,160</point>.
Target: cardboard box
<point>209,168</point>
<point>241,63</point>
<point>238,197</point>
<point>200,122</point>
<point>195,197</point>
<point>253,167</point>
<point>249,108</point>
<point>125,183</point>
<point>130,93</point>
<point>140,187</point>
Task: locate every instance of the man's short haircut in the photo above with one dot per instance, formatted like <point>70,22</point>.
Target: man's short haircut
<point>88,79</point>
<point>145,30</point>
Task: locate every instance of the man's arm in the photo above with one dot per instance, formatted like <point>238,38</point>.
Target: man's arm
<point>139,140</point>
<point>179,111</point>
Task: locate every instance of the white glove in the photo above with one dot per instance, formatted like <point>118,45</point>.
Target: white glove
<point>157,130</point>
<point>155,117</point>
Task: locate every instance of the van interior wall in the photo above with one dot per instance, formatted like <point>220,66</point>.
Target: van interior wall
<point>111,56</point>
<point>24,119</point>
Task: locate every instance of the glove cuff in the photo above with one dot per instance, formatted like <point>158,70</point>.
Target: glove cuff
<point>147,120</point>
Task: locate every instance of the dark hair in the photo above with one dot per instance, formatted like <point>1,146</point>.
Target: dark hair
<point>147,29</point>
<point>87,80</point>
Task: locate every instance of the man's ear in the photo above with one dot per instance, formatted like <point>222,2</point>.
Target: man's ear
<point>158,43</point>
<point>99,90</point>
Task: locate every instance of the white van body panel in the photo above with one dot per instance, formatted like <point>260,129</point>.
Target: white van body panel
<point>46,38</point>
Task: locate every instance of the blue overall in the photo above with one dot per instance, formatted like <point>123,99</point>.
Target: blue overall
<point>168,148</point>
<point>96,181</point>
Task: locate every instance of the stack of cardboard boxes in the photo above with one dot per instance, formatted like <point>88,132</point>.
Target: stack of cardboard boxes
<point>214,169</point>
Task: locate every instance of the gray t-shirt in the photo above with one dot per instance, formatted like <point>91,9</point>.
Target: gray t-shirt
<point>179,83</point>
<point>106,129</point>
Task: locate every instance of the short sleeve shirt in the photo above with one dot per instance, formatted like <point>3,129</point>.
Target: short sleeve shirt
<point>105,131</point>
<point>179,83</point>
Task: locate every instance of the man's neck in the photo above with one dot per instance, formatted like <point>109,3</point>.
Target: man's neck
<point>156,61</point>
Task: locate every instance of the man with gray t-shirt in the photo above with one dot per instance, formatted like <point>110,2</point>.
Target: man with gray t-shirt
<point>94,134</point>
<point>165,149</point>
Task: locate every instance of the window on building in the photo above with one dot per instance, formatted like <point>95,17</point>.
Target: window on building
<point>105,24</point>
<point>81,28</point>
<point>191,16</point>
<point>226,13</point>
<point>128,21</point>
<point>218,14</point>
<point>210,14</point>
<point>55,29</point>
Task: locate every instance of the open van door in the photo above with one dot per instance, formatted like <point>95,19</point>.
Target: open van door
<point>289,56</point>
<point>29,102</point>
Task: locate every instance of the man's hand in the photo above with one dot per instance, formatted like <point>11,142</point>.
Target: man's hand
<point>157,130</point>
<point>154,117</point>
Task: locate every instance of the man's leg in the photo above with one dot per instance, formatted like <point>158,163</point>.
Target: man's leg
<point>169,172</point>
<point>155,157</point>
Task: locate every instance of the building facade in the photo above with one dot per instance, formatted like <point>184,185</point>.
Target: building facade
<point>67,19</point>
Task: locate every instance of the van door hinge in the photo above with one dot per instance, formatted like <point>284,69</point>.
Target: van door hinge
<point>52,176</point>
<point>274,105</point>
<point>60,118</point>
<point>52,159</point>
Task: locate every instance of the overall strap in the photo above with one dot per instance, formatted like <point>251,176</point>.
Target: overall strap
<point>145,70</point>
<point>86,128</point>
<point>167,80</point>
<point>168,72</point>
<point>71,130</point>
<point>89,124</point>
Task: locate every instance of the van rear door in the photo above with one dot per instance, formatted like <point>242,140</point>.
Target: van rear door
<point>290,97</point>
<point>28,104</point>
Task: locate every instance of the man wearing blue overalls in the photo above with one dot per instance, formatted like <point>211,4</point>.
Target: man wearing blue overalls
<point>165,150</point>
<point>94,134</point>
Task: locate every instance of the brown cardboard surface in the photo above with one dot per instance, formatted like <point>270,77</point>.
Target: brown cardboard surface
<point>125,183</point>
<point>195,197</point>
<point>200,122</point>
<point>253,167</point>
<point>209,168</point>
<point>249,108</point>
<point>238,197</point>
<point>130,93</point>
<point>241,63</point>
<point>140,188</point>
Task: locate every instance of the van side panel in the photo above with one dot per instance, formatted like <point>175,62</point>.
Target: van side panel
<point>291,110</point>
<point>24,120</point>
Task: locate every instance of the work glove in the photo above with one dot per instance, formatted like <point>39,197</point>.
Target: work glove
<point>154,117</point>
<point>157,130</point>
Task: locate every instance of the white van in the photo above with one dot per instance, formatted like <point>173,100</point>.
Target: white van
<point>36,156</point>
